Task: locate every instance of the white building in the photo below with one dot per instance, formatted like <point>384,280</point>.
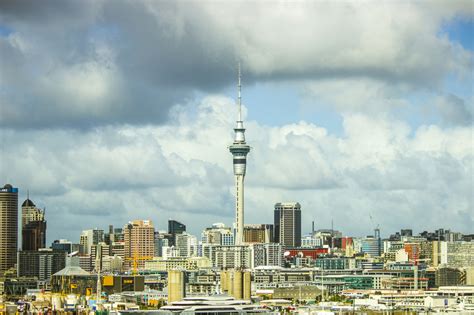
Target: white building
<point>269,254</point>
<point>230,257</point>
<point>186,244</point>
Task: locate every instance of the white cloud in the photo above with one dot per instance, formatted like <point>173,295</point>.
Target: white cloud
<point>420,179</point>
<point>130,62</point>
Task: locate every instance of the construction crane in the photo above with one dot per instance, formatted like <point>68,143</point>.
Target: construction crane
<point>135,259</point>
<point>98,260</point>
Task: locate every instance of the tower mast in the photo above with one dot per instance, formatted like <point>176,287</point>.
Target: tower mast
<point>239,86</point>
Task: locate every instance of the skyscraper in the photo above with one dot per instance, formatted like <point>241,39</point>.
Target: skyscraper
<point>287,224</point>
<point>89,238</point>
<point>8,227</point>
<point>139,242</point>
<point>175,227</point>
<point>239,150</point>
<point>372,245</point>
<point>33,227</point>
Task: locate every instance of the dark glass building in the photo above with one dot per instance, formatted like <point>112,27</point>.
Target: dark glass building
<point>41,264</point>
<point>33,225</point>
<point>287,224</point>
<point>175,227</point>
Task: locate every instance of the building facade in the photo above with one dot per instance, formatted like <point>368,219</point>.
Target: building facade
<point>8,227</point>
<point>287,224</point>
<point>33,225</point>
<point>258,233</point>
<point>139,238</point>
<point>41,264</point>
<point>174,228</point>
<point>270,254</point>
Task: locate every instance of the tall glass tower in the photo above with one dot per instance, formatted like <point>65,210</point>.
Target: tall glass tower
<point>239,150</point>
<point>8,227</point>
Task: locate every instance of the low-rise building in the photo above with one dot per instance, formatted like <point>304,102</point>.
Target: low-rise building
<point>178,263</point>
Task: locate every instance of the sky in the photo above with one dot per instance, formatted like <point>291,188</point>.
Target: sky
<point>362,111</point>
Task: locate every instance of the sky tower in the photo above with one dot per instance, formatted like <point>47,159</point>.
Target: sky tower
<point>239,150</point>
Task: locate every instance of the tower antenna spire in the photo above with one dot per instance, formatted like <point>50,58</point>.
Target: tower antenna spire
<point>239,86</point>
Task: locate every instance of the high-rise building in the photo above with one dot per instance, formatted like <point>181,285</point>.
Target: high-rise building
<point>33,229</point>
<point>34,235</point>
<point>118,249</point>
<point>218,234</point>
<point>372,245</point>
<point>8,227</point>
<point>63,245</point>
<point>287,224</point>
<point>239,150</point>
<point>89,238</point>
<point>186,244</point>
<point>270,254</point>
<point>139,242</point>
<point>175,227</point>
<point>258,233</point>
<point>227,257</point>
<point>460,254</point>
<point>41,263</point>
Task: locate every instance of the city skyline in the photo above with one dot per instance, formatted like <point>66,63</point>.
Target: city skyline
<point>116,127</point>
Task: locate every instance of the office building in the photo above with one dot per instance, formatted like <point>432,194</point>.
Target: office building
<point>29,212</point>
<point>41,264</point>
<point>8,227</point>
<point>446,276</point>
<point>118,235</point>
<point>139,238</point>
<point>311,241</point>
<point>258,233</point>
<point>89,238</point>
<point>229,257</point>
<point>460,254</point>
<point>186,244</point>
<point>270,254</point>
<point>239,150</point>
<point>118,249</point>
<point>162,239</point>
<point>178,263</point>
<point>372,245</point>
<point>218,234</point>
<point>34,235</point>
<point>105,251</point>
<point>63,245</point>
<point>287,224</point>
<point>174,228</point>
<point>33,225</point>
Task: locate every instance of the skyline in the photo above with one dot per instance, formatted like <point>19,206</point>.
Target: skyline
<point>104,124</point>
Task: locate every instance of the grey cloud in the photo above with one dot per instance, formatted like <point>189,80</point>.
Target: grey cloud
<point>110,62</point>
<point>454,110</point>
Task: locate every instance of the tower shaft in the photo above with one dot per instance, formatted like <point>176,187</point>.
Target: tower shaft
<point>239,209</point>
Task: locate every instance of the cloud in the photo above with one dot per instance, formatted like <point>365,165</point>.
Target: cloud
<point>113,62</point>
<point>379,167</point>
<point>454,110</point>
